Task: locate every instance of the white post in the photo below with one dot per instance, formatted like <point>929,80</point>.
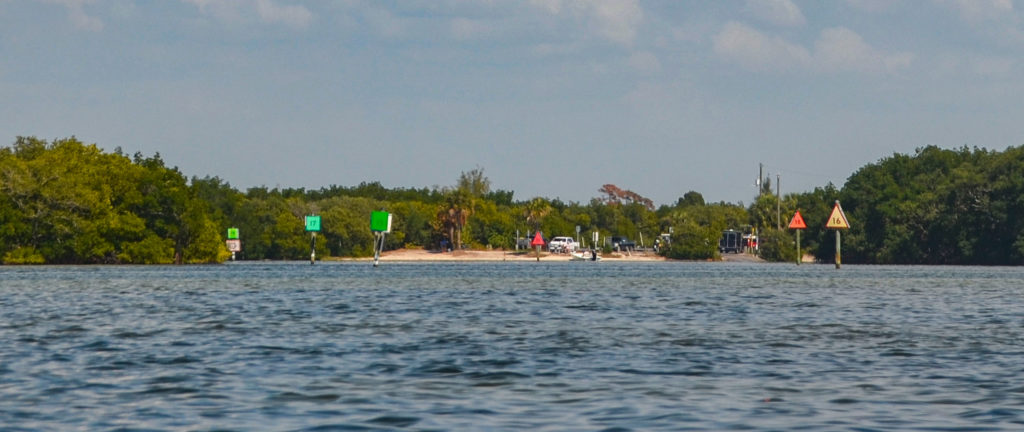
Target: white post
<point>378,247</point>
<point>312,253</point>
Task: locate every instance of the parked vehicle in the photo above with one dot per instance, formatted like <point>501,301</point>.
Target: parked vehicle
<point>524,242</point>
<point>662,242</point>
<point>562,244</point>
<point>622,243</point>
<point>731,241</point>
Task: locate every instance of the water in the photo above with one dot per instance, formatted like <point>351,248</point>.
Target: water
<point>511,346</point>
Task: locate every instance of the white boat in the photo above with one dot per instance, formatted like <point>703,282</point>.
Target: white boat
<point>580,256</point>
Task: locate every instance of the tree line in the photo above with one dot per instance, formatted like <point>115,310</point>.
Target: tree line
<point>69,202</point>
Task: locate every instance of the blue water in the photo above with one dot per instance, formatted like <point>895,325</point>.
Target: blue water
<point>511,346</point>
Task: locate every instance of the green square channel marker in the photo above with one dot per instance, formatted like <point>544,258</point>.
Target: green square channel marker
<point>312,223</point>
<point>232,233</point>
<point>380,221</point>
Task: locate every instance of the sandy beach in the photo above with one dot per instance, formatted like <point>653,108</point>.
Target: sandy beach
<point>499,255</point>
<point>420,255</point>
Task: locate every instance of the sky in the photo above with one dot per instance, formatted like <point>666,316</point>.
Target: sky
<point>551,98</point>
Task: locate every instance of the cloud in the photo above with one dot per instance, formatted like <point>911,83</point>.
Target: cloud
<point>993,67</point>
<point>758,51</point>
<point>645,62</point>
<point>614,20</point>
<point>976,11</point>
<point>836,50</point>
<point>266,11</point>
<point>386,24</point>
<point>779,12</point>
<point>840,49</point>
<point>996,19</point>
<point>464,28</point>
<point>871,5</point>
<point>976,66</point>
<point>294,16</point>
<point>77,15</point>
<point>618,19</point>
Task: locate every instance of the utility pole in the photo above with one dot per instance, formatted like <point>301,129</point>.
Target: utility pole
<point>778,201</point>
<point>760,177</point>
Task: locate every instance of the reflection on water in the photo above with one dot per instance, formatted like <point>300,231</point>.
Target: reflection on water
<point>471,346</point>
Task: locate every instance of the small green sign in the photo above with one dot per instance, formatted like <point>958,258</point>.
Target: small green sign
<point>380,221</point>
<point>312,223</point>
<point>232,233</point>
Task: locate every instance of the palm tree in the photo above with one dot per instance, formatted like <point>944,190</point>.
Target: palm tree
<point>535,211</point>
<point>454,214</point>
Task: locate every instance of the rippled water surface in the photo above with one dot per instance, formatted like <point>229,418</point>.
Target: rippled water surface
<point>511,346</point>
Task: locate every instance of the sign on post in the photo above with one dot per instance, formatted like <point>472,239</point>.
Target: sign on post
<point>837,221</point>
<point>380,221</point>
<point>313,223</point>
<point>798,224</point>
<point>380,224</point>
<point>537,243</point>
<point>313,226</point>
<point>234,245</point>
<point>232,233</point>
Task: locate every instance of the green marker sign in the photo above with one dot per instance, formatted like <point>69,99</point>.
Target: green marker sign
<point>380,221</point>
<point>232,233</point>
<point>312,223</point>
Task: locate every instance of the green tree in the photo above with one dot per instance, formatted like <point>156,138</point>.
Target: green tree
<point>535,211</point>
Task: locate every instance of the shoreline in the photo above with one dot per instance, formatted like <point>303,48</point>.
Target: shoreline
<point>421,255</point>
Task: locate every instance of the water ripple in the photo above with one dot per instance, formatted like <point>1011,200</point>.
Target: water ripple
<point>617,347</point>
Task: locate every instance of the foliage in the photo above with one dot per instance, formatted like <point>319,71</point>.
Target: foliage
<point>694,242</point>
<point>24,255</point>
<point>937,207</point>
<point>69,202</point>
<point>614,195</point>
<point>697,227</point>
<point>777,245</point>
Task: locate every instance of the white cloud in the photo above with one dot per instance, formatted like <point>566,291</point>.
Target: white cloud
<point>552,6</point>
<point>614,20</point>
<point>386,24</point>
<point>225,10</point>
<point>836,50</point>
<point>974,65</point>
<point>871,5</point>
<point>549,49</point>
<point>778,12</point>
<point>996,19</point>
<point>840,49</point>
<point>993,67</point>
<point>618,19</point>
<point>980,10</point>
<point>294,16</point>
<point>77,15</point>
<point>464,28</point>
<point>645,62</point>
<point>266,11</point>
<point>758,51</point>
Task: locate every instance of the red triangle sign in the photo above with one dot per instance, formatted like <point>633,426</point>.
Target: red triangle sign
<point>537,240</point>
<point>797,222</point>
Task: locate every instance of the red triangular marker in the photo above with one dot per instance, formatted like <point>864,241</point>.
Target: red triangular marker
<point>797,222</point>
<point>537,240</point>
